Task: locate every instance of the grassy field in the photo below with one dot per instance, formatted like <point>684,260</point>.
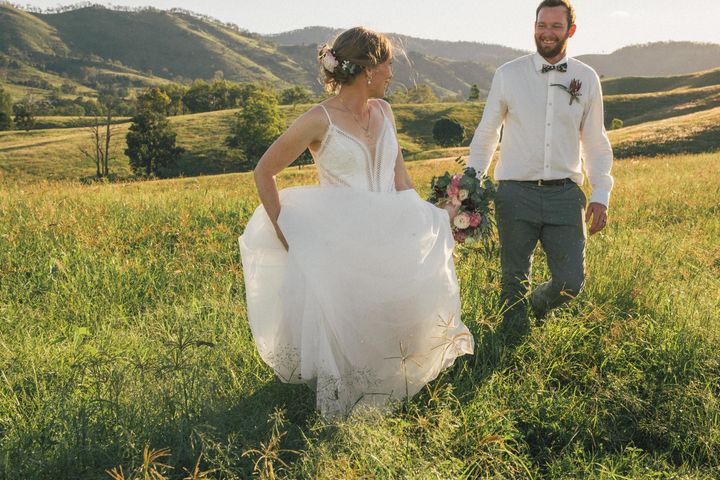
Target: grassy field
<point>123,326</point>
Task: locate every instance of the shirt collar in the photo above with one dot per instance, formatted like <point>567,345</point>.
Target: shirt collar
<point>539,61</point>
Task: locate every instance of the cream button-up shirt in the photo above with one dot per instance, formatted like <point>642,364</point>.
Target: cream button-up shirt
<point>545,137</point>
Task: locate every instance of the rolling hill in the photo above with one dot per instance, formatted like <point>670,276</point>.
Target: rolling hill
<point>89,46</point>
<point>136,48</point>
<point>660,97</point>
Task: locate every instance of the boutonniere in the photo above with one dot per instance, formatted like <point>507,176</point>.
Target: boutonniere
<point>573,89</point>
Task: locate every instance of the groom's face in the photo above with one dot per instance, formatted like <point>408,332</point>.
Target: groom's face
<point>552,32</point>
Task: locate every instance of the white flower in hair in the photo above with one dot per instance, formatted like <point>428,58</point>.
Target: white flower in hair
<point>329,61</point>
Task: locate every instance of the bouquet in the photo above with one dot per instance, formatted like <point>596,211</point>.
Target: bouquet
<point>471,196</point>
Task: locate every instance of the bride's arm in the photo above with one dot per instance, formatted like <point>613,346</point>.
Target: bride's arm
<point>402,177</point>
<point>307,129</point>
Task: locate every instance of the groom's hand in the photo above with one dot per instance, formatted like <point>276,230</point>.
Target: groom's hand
<point>597,212</point>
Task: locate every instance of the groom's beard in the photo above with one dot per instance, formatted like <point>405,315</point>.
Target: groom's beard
<point>550,52</point>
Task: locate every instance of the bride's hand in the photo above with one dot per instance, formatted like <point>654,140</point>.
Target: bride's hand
<point>281,237</point>
<point>452,210</point>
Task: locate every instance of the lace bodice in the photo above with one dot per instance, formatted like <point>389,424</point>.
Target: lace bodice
<point>344,160</point>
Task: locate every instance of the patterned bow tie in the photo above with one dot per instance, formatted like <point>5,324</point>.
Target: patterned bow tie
<point>562,68</point>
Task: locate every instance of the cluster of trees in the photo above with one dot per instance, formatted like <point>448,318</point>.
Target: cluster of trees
<point>151,140</point>
<point>221,94</point>
<point>23,113</point>
<point>201,96</point>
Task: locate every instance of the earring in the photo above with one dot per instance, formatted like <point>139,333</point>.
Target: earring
<point>369,81</point>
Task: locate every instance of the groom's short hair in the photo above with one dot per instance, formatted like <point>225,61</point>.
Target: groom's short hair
<point>558,3</point>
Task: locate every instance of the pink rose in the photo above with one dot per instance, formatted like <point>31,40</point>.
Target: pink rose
<point>456,181</point>
<point>453,191</point>
<point>475,219</point>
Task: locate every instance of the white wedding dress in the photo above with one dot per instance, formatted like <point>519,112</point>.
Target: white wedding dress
<point>365,305</point>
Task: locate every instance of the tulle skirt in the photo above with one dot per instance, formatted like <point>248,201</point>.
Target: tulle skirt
<point>364,307</point>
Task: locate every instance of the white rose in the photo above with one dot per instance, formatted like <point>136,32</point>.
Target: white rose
<point>463,194</point>
<point>462,221</point>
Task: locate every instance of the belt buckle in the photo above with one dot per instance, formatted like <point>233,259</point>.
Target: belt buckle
<point>540,183</point>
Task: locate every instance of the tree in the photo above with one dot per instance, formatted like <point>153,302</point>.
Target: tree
<point>155,100</point>
<point>474,93</point>
<point>221,95</point>
<point>448,132</point>
<point>295,95</point>
<point>256,126</point>
<point>175,93</point>
<point>616,123</point>
<point>25,111</point>
<point>198,98</point>
<point>6,110</point>
<point>99,150</point>
<point>151,144</point>
<point>421,93</point>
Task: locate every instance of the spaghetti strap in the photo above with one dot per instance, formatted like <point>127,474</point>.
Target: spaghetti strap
<point>326,113</point>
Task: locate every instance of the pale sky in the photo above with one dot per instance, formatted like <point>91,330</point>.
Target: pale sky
<point>603,25</point>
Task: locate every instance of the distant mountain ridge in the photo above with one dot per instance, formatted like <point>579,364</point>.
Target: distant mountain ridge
<point>656,59</point>
<point>485,53</point>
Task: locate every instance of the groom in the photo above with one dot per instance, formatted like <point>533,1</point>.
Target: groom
<point>551,109</point>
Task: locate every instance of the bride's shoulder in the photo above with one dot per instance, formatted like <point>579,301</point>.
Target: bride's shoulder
<point>316,116</point>
<point>384,105</point>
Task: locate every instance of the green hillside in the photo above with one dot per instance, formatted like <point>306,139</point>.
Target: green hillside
<point>645,107</point>
<point>170,45</point>
<point>95,44</point>
<point>691,133</point>
<point>23,34</point>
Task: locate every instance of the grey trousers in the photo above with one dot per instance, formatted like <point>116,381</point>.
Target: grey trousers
<point>554,216</point>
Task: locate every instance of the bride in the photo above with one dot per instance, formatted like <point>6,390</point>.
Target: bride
<point>351,286</point>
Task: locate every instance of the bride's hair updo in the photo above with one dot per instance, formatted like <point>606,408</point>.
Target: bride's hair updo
<point>351,53</point>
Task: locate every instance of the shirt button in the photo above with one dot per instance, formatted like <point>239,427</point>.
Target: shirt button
<point>548,124</point>
<point>550,104</point>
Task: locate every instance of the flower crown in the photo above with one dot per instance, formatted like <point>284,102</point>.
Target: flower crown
<point>330,63</point>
